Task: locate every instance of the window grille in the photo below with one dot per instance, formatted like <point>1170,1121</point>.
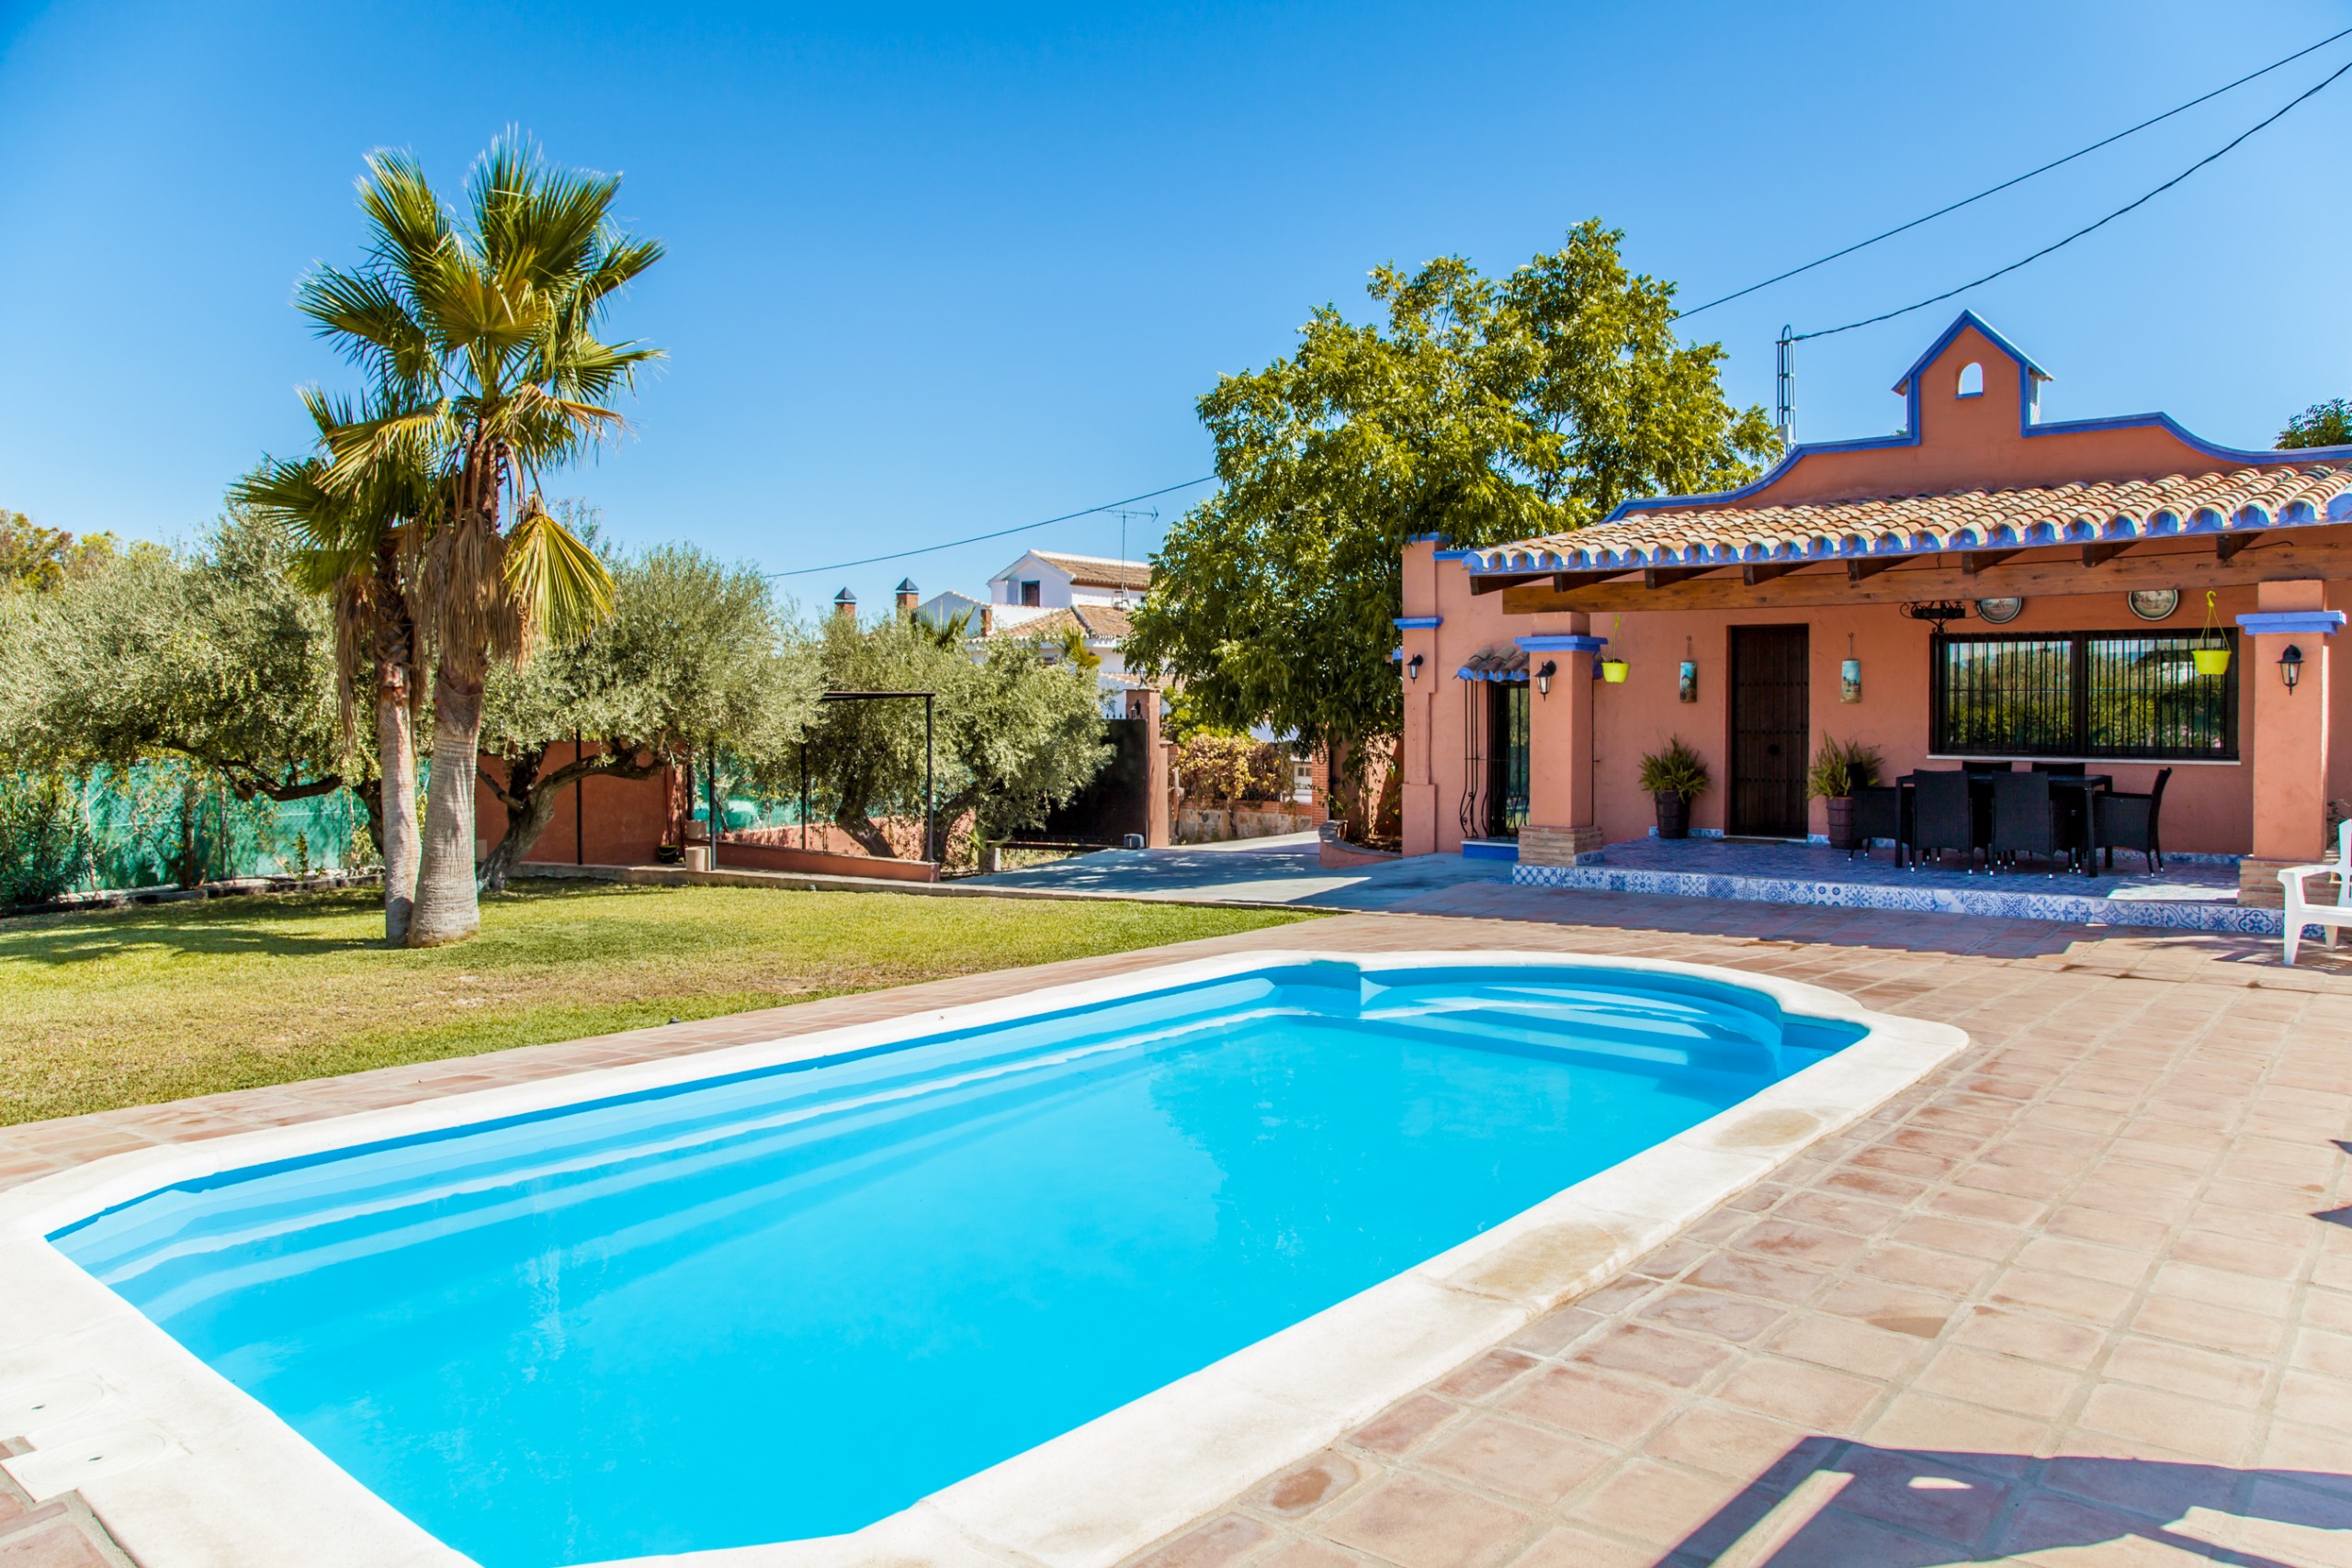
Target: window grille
<point>2125,695</point>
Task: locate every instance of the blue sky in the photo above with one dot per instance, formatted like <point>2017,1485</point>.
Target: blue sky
<point>936,270</point>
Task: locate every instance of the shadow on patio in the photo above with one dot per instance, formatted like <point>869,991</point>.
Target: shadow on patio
<point>1829,1503</point>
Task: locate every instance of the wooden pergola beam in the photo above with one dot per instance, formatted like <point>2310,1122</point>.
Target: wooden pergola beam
<point>1974,561</point>
<point>2227,547</point>
<point>2046,571</point>
<point>1858,568</point>
<point>2099,555</point>
<point>1496,582</point>
<point>1765,572</point>
<point>1666,576</point>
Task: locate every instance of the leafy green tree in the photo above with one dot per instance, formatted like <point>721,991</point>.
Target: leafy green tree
<point>44,842</point>
<point>2322,424</point>
<point>693,651</point>
<point>39,558</point>
<point>1478,410</point>
<point>479,343</point>
<point>357,544</point>
<point>219,656</point>
<point>1016,735</point>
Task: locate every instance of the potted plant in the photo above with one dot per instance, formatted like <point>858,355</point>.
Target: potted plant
<point>1674,777</point>
<point>1840,769</point>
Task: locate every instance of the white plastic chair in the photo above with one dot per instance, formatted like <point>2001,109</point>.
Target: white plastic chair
<point>2329,918</point>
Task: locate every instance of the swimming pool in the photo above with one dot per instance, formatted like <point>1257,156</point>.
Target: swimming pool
<point>788,1300</point>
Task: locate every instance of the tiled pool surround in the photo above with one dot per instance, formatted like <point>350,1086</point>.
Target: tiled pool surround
<point>189,1470</point>
<point>2186,896</point>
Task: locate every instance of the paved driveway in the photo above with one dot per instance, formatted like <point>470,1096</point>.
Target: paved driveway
<point>1258,871</point>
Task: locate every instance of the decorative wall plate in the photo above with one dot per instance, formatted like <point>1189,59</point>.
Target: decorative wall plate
<point>2154,603</point>
<point>2000,612</point>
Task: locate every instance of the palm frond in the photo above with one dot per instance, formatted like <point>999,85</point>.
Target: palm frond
<point>560,588</point>
<point>413,230</point>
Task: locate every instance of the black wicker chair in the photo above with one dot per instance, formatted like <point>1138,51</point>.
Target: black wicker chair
<point>1878,814</point>
<point>2122,821</point>
<point>1943,814</point>
<point>2025,818</point>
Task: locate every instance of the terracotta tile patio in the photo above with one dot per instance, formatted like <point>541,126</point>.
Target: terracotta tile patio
<point>2084,1297</point>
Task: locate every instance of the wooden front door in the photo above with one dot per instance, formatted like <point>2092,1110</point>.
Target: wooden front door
<point>1770,727</point>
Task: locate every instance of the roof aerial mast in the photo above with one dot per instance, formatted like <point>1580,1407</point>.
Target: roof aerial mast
<point>1784,389</point>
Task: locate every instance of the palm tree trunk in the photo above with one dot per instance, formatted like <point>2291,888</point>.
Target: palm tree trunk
<point>446,910</point>
<point>396,759</point>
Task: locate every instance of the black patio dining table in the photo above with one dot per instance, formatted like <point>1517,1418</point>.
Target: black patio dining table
<point>1980,791</point>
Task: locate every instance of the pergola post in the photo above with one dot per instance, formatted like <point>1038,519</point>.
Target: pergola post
<point>1560,821</point>
<point>2289,743</point>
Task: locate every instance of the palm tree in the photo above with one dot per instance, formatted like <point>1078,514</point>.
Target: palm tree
<point>359,543</point>
<point>480,343</point>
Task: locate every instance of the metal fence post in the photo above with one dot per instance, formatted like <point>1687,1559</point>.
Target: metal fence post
<point>930,797</point>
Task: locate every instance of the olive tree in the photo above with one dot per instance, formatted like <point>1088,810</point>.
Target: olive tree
<point>692,652</point>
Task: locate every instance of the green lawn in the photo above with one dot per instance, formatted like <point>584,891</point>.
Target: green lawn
<point>135,1005</point>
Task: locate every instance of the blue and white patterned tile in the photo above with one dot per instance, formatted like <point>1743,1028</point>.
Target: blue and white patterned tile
<point>2201,897</point>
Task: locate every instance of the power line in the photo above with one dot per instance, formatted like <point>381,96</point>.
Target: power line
<point>2222,151</point>
<point>1001,533</point>
<point>2020,179</point>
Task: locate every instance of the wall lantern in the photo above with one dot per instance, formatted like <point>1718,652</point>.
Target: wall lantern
<point>1413,667</point>
<point>1686,689</point>
<point>2290,667</point>
<point>1543,678</point>
<point>1850,674</point>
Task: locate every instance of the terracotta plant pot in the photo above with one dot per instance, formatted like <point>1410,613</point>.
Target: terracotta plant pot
<point>1841,820</point>
<point>1673,815</point>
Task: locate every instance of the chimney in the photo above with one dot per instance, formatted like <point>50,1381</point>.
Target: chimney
<point>908,594</point>
<point>845,604</point>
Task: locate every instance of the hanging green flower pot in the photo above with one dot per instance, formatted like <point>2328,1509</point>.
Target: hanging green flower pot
<point>2211,655</point>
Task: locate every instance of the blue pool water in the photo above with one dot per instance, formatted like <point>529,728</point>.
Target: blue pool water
<point>789,1303</point>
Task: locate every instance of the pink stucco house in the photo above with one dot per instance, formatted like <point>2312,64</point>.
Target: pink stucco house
<point>2064,568</point>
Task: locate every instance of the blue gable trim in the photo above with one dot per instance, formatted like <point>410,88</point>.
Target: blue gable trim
<point>1448,555</point>
<point>2293,623</point>
<point>1557,642</point>
<point>1419,623</point>
<point>2028,372</point>
<point>1966,320</point>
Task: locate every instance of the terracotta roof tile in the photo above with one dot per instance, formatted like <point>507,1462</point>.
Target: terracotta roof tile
<point>1096,622</point>
<point>1100,572</point>
<point>2288,496</point>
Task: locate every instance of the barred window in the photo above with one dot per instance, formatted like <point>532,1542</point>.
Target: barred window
<point>2092,694</point>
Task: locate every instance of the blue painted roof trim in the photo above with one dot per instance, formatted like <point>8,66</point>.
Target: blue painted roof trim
<point>1961,323</point>
<point>2293,623</point>
<point>2158,524</point>
<point>1419,623</point>
<point>1449,555</point>
<point>2027,371</point>
<point>1562,642</point>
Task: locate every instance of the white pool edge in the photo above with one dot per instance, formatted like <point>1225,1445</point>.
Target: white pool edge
<point>190,1472</point>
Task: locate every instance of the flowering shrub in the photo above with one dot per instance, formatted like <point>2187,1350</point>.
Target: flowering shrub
<point>1233,767</point>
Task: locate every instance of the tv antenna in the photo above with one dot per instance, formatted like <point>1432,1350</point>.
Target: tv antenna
<point>1149,515</point>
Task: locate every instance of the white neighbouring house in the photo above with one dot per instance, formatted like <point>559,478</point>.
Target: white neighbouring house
<point>1046,593</point>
